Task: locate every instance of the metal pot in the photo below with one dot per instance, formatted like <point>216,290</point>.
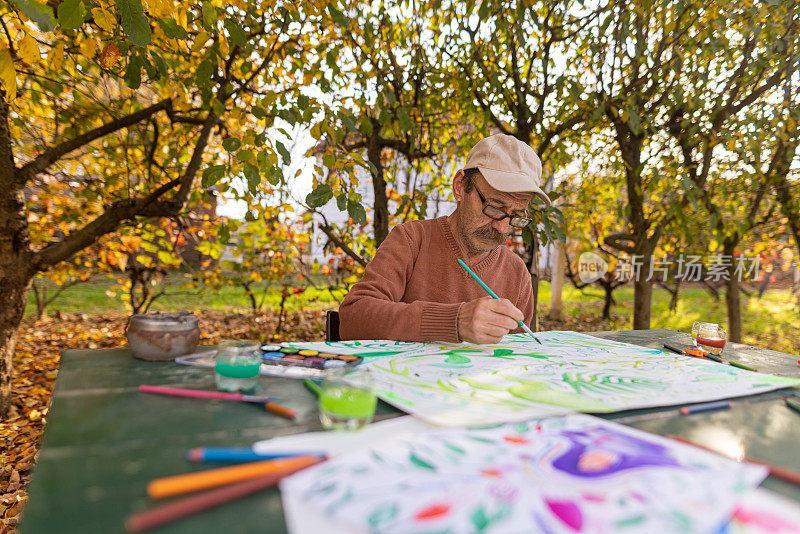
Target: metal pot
<point>162,336</point>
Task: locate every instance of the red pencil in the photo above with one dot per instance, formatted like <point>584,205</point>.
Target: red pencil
<point>774,470</point>
<point>166,513</point>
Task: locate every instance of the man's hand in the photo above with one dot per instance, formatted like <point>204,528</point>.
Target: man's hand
<point>487,320</point>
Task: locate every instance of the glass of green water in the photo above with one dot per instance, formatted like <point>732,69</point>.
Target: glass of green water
<point>346,399</point>
<point>237,365</point>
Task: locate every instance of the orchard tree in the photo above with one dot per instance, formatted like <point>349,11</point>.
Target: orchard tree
<point>391,114</point>
<point>144,109</point>
<point>657,69</point>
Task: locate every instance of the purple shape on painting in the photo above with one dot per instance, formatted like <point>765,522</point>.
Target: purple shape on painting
<point>568,512</point>
<point>598,452</point>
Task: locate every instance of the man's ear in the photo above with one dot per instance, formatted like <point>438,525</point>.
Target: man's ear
<point>458,185</point>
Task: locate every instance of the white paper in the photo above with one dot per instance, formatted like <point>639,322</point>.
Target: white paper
<point>560,474</point>
<point>332,443</point>
<point>550,374</point>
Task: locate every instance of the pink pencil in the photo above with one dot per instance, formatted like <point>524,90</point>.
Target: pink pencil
<point>268,402</point>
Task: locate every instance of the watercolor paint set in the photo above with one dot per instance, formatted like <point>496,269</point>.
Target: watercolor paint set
<point>283,360</point>
<point>285,356</point>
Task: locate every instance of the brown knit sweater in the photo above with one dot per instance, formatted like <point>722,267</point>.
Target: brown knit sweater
<point>414,287</point>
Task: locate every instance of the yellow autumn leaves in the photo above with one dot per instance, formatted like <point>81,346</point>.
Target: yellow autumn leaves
<point>8,76</point>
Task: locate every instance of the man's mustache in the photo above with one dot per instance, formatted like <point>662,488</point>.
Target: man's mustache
<point>490,234</point>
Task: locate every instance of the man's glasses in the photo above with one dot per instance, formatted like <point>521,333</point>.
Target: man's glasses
<point>493,212</point>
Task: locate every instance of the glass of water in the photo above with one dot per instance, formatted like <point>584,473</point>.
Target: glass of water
<point>346,399</point>
<point>237,365</point>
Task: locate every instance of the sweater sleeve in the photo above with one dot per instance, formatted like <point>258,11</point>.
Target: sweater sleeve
<point>373,308</point>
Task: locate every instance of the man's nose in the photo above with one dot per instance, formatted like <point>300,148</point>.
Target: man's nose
<point>503,225</point>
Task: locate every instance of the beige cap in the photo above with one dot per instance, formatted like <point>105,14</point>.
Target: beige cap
<point>508,164</point>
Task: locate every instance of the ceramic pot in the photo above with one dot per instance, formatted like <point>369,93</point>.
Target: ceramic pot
<point>162,336</point>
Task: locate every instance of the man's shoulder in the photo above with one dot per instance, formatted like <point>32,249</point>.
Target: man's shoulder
<point>509,257</point>
<point>417,229</point>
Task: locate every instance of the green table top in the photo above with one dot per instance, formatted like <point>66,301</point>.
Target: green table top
<point>105,441</point>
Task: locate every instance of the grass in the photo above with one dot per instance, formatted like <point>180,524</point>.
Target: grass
<point>103,295</point>
<point>771,322</point>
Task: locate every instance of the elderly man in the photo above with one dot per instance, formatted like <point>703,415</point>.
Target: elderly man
<point>415,290</point>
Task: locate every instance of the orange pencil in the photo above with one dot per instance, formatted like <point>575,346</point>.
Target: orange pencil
<point>172,511</point>
<point>279,409</point>
<point>211,478</point>
<point>774,470</point>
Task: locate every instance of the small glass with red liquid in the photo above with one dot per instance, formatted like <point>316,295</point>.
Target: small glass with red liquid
<point>711,337</point>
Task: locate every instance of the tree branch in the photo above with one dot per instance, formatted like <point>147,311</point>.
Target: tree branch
<point>53,154</point>
<point>197,159</point>
<point>328,231</point>
<point>105,223</point>
<point>616,241</point>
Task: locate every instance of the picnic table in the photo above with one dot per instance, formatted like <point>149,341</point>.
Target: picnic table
<point>105,440</point>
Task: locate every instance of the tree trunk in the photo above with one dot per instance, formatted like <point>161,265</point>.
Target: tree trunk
<point>733,299</point>
<point>13,295</point>
<point>643,291</point>
<point>608,287</point>
<point>534,270</point>
<point>630,144</point>
<point>40,297</point>
<point>673,301</point>
<point>15,272</point>
<point>733,303</point>
<point>381,208</point>
<point>15,281</point>
<point>556,282</point>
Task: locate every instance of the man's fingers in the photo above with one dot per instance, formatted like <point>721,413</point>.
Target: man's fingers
<point>503,313</point>
<point>505,307</point>
<point>491,317</point>
<point>487,320</point>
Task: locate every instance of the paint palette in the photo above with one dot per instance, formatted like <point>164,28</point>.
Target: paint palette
<point>280,359</point>
<point>283,360</point>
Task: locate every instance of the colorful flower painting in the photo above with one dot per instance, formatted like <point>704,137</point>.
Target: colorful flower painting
<point>560,474</point>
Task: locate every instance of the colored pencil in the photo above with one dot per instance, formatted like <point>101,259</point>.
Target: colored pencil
<point>239,454</point>
<point>774,470</point>
<point>312,386</point>
<point>488,290</point>
<point>742,366</point>
<point>714,357</point>
<point>705,407</point>
<point>211,478</point>
<point>674,348</point>
<point>166,513</point>
<point>279,409</point>
<point>694,353</point>
<point>793,404</point>
<point>268,402</point>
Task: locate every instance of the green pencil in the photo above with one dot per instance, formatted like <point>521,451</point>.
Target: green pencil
<point>742,366</point>
<point>793,404</point>
<point>488,290</point>
<point>312,386</point>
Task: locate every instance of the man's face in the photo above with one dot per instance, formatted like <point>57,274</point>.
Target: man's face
<point>478,232</point>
